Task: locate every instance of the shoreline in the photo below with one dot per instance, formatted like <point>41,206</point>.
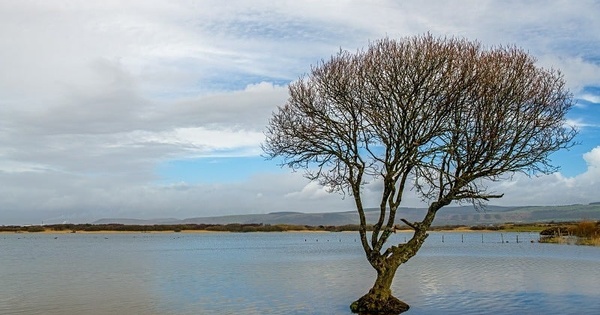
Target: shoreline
<point>268,228</point>
<point>51,231</point>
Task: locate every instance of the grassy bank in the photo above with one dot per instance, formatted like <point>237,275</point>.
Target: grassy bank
<point>573,228</point>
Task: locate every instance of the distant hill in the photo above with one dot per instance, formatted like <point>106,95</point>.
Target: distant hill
<point>463,215</point>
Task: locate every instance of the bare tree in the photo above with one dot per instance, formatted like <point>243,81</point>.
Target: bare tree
<point>439,116</point>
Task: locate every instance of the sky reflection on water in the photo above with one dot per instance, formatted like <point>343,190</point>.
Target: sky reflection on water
<point>288,273</point>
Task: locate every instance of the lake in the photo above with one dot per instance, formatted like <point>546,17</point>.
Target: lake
<point>289,273</point>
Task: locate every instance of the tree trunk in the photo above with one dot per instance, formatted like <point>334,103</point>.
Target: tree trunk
<point>380,300</point>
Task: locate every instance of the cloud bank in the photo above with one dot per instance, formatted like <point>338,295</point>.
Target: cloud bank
<point>96,96</point>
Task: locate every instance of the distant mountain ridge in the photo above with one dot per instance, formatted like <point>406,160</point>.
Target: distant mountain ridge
<point>460,215</point>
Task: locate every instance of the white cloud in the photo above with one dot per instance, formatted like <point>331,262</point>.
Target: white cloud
<point>578,72</point>
<point>94,95</point>
<point>592,98</point>
<point>592,159</point>
<point>312,190</point>
<point>9,166</point>
<point>201,141</point>
<point>578,124</point>
<point>554,189</point>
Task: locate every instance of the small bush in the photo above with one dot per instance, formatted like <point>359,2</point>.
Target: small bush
<point>585,229</point>
<point>36,228</point>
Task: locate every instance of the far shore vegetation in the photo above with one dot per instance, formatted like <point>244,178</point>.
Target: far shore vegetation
<point>581,233</point>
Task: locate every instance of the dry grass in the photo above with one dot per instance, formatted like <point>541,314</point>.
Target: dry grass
<point>585,229</point>
<point>594,241</point>
<point>582,233</point>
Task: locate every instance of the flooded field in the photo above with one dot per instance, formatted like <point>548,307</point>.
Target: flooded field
<point>288,273</point>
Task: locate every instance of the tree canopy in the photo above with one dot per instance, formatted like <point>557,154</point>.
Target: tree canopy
<point>440,116</point>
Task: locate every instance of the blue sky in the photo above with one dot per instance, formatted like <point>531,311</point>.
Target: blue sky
<point>157,108</point>
<point>220,169</point>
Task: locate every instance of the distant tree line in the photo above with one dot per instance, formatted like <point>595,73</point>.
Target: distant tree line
<point>233,227</point>
<point>582,229</point>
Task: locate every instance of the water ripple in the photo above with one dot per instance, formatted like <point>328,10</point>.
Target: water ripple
<point>288,273</point>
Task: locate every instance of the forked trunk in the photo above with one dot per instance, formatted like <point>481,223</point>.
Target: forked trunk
<point>380,300</point>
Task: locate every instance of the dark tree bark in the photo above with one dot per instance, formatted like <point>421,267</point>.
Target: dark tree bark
<point>438,116</point>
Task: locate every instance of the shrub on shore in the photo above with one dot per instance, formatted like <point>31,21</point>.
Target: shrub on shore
<point>581,233</point>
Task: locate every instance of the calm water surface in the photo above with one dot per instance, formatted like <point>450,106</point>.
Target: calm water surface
<point>288,273</point>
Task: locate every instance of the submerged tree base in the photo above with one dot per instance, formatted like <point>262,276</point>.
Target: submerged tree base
<point>375,304</point>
